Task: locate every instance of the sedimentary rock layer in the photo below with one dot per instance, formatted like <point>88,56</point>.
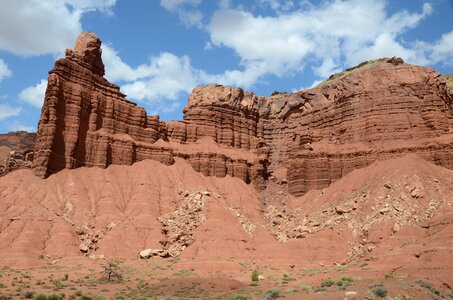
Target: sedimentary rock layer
<point>378,110</point>
<point>87,121</point>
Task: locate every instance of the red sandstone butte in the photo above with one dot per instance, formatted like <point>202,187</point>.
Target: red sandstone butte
<point>381,109</point>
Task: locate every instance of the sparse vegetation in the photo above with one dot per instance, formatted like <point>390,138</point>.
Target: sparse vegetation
<point>111,272</point>
<point>388,276</point>
<point>449,80</point>
<point>272,294</point>
<point>41,296</point>
<point>240,297</point>
<point>428,286</point>
<point>286,278</point>
<point>327,283</point>
<point>29,294</point>
<point>379,290</point>
<point>255,275</point>
<point>57,284</point>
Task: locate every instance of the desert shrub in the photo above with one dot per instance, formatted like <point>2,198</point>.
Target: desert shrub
<point>340,282</point>
<point>327,283</point>
<point>65,277</point>
<point>54,297</point>
<point>379,291</point>
<point>57,283</point>
<point>41,296</point>
<point>286,278</point>
<point>78,293</point>
<point>255,275</point>
<point>111,272</point>
<point>272,294</point>
<point>240,297</point>
<point>428,286</point>
<point>29,294</point>
<point>347,279</point>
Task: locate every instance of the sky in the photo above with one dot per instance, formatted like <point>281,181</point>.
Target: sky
<point>157,51</point>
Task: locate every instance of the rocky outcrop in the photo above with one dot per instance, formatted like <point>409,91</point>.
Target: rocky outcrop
<point>377,110</point>
<point>380,110</point>
<point>16,151</point>
<point>87,121</point>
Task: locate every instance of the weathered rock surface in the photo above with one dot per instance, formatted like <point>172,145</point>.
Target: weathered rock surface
<point>87,121</point>
<point>378,110</point>
<point>16,151</point>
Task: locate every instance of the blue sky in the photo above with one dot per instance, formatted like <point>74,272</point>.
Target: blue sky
<point>157,51</point>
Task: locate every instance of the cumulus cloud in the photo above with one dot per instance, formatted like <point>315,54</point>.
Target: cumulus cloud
<point>44,26</point>
<point>4,70</point>
<point>34,95</point>
<point>7,111</point>
<point>442,50</point>
<point>186,10</point>
<point>165,76</point>
<point>331,35</point>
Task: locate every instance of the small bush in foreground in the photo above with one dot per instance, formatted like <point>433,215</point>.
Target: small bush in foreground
<point>272,294</point>
<point>255,275</point>
<point>379,291</point>
<point>327,283</point>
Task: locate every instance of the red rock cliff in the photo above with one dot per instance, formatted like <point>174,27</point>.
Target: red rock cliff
<point>87,121</point>
<point>377,110</point>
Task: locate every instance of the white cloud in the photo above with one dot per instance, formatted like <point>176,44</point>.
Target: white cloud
<point>186,10</point>
<point>442,50</point>
<point>4,70</point>
<point>331,35</point>
<point>7,111</point>
<point>278,5</point>
<point>164,77</point>
<point>44,26</point>
<point>34,95</point>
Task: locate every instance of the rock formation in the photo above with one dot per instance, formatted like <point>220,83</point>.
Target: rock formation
<point>16,151</point>
<point>378,110</point>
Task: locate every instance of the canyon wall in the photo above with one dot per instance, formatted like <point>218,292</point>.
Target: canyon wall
<point>378,110</point>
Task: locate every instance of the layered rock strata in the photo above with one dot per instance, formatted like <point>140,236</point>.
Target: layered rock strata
<point>87,121</point>
<point>378,110</point>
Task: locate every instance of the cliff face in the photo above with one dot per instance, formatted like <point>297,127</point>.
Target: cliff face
<point>378,110</point>
<point>87,121</point>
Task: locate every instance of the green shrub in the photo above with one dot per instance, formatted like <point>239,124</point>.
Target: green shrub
<point>54,297</point>
<point>287,278</point>
<point>240,297</point>
<point>255,275</point>
<point>57,283</point>
<point>41,296</point>
<point>340,282</point>
<point>388,276</point>
<point>379,291</point>
<point>347,279</point>
<point>428,286</point>
<point>29,294</point>
<point>272,294</point>
<point>327,283</point>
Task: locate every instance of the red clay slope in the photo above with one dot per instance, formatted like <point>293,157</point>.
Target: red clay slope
<point>395,213</point>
